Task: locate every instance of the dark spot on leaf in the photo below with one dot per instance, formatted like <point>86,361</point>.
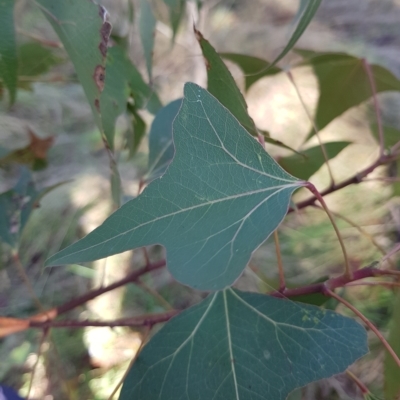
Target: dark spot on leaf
<point>99,77</point>
<point>208,65</point>
<point>97,104</point>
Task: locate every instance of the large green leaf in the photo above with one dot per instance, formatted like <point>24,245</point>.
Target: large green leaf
<point>8,50</point>
<point>161,147</point>
<point>344,83</point>
<point>220,198</point>
<point>254,68</point>
<point>147,27</point>
<point>392,370</point>
<point>307,163</point>
<point>237,345</point>
<point>84,32</point>
<point>222,85</point>
<point>307,10</point>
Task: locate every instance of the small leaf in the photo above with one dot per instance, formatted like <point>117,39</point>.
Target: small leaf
<point>35,59</point>
<point>84,32</point>
<point>161,147</point>
<point>237,345</point>
<point>222,85</point>
<point>254,68</point>
<point>278,143</point>
<point>391,369</point>
<point>344,83</point>
<point>147,27</point>
<point>307,10</point>
<point>16,206</point>
<point>220,198</point>
<point>35,151</point>
<point>8,49</point>
<point>311,160</point>
<point>176,12</point>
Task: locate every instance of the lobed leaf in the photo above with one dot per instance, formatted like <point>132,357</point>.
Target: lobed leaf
<point>220,198</point>
<point>236,345</point>
<point>8,48</point>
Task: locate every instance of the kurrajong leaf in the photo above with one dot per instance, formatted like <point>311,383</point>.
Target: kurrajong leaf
<point>220,198</point>
<point>222,85</point>
<point>84,32</point>
<point>8,48</point>
<point>236,345</point>
<point>311,160</point>
<point>161,146</point>
<point>254,68</point>
<point>344,83</point>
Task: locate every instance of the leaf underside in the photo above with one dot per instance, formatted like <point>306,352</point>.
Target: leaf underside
<point>220,198</point>
<point>237,345</point>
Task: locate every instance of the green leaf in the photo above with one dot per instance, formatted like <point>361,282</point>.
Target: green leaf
<point>176,12</point>
<point>147,27</point>
<point>138,131</point>
<point>84,32</point>
<point>391,134</point>
<point>311,160</point>
<point>8,49</point>
<point>161,147</point>
<point>222,85</point>
<point>220,198</point>
<point>35,59</point>
<point>306,13</point>
<point>116,91</point>
<point>17,204</point>
<point>391,369</point>
<point>344,83</point>
<point>254,68</point>
<point>237,345</point>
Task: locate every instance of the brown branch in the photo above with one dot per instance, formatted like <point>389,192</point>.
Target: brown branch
<point>358,178</point>
<point>143,320</point>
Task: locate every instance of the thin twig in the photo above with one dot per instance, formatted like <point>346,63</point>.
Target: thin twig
<point>357,381</point>
<point>144,339</point>
<point>376,283</point>
<point>314,125</point>
<point>372,84</point>
<point>44,42</point>
<point>282,283</point>
<point>313,190</point>
<point>367,322</point>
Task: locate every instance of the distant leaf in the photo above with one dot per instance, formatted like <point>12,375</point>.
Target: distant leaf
<point>217,168</point>
<point>176,11</point>
<point>116,91</point>
<point>161,147</point>
<point>391,134</point>
<point>254,68</point>
<point>343,84</point>
<point>35,151</point>
<point>307,10</point>
<point>35,59</point>
<point>222,85</point>
<point>84,32</point>
<point>237,345</point>
<point>138,131</point>
<point>278,143</point>
<point>311,160</point>
<point>147,27</point>
<point>16,205</point>
<point>391,369</point>
<point>8,49</point>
